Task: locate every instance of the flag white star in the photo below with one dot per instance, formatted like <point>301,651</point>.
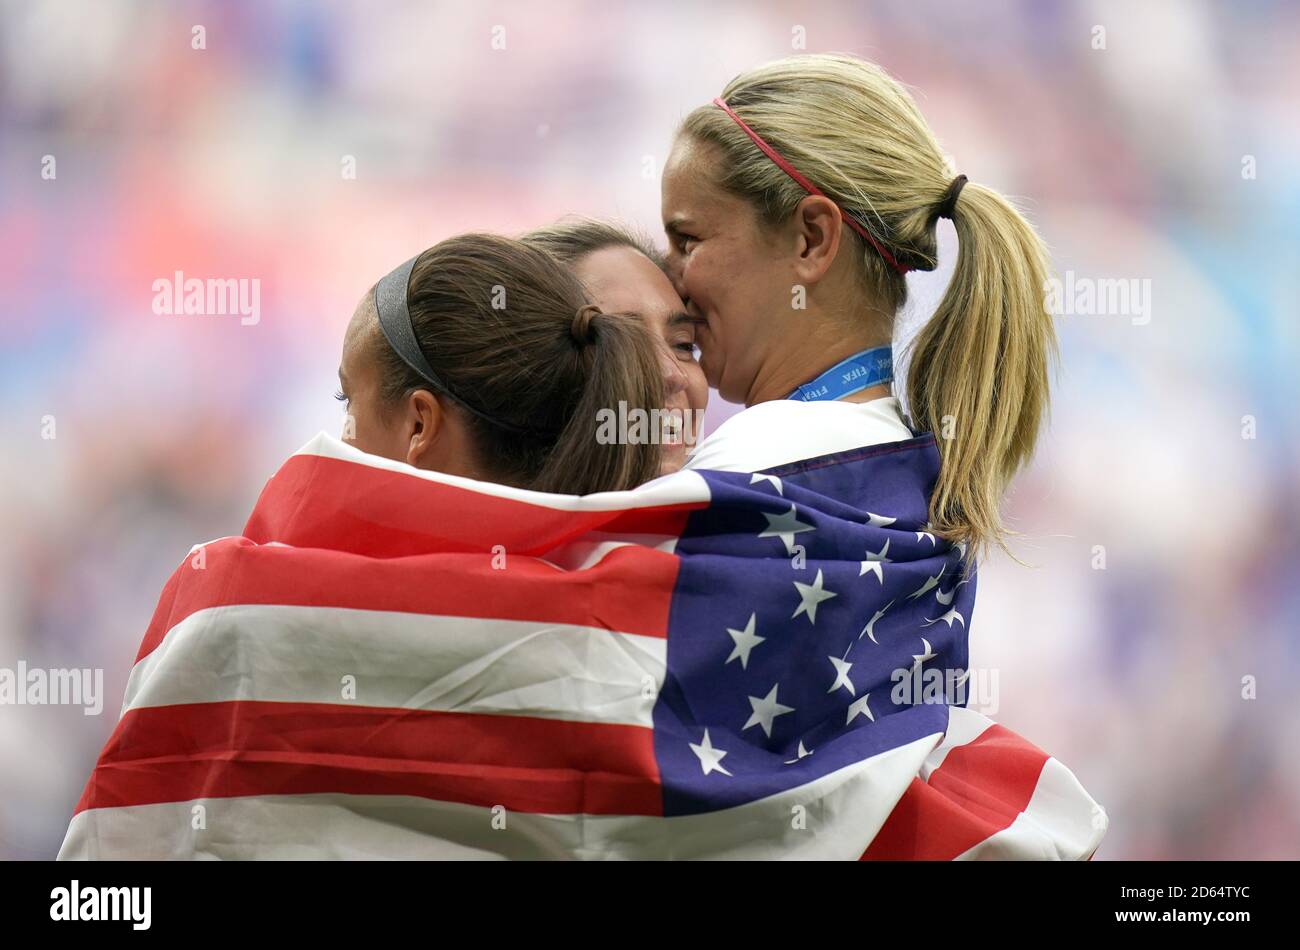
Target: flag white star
<point>784,526</point>
<point>776,482</point>
<point>810,595</point>
<point>872,565</point>
<point>802,752</point>
<point>765,710</point>
<point>925,534</point>
<point>746,640</point>
<point>943,598</point>
<point>926,654</point>
<point>950,616</point>
<point>879,521</point>
<point>930,584</point>
<point>709,757</point>
<point>859,707</point>
<point>869,629</point>
<point>841,676</point>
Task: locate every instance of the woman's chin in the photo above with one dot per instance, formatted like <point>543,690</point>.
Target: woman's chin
<point>672,456</point>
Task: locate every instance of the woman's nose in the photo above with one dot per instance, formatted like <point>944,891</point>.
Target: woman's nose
<point>673,374</point>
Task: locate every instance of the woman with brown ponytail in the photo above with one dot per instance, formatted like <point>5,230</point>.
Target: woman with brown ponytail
<point>483,357</point>
<point>795,203</point>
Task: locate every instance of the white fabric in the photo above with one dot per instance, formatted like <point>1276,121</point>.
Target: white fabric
<point>1053,827</point>
<point>274,653</point>
<point>857,798</point>
<point>782,431</point>
<point>672,489</point>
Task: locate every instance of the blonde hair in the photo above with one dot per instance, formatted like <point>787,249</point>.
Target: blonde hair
<point>982,360</point>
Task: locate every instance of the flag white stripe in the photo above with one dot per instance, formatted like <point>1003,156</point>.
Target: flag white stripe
<point>1053,826</point>
<point>964,725</point>
<point>682,487</point>
<point>595,546</point>
<point>282,653</point>
<point>840,814</point>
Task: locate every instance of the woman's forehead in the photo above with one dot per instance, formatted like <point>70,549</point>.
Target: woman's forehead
<point>363,325</point>
<point>690,176</point>
<point>622,279</point>
<point>692,197</point>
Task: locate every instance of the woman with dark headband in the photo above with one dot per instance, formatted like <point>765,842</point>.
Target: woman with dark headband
<point>795,203</point>
<point>483,357</point>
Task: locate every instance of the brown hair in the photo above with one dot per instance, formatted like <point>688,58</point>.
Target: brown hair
<point>508,330</point>
<point>978,375</point>
<point>573,238</point>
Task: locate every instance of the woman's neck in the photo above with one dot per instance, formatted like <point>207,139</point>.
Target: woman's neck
<point>878,391</point>
<point>807,359</point>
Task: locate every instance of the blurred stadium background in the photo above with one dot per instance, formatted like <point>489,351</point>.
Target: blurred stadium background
<point>229,161</point>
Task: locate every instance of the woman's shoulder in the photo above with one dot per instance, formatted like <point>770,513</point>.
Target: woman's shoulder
<point>781,431</point>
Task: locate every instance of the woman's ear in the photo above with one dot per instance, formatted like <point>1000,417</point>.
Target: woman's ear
<point>818,227</point>
<point>424,421</point>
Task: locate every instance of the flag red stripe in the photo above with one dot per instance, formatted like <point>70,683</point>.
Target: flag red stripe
<point>381,513</point>
<point>225,750</point>
<point>977,791</point>
<point>629,590</point>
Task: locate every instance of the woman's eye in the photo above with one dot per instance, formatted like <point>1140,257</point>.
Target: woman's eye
<point>688,350</point>
<point>340,397</point>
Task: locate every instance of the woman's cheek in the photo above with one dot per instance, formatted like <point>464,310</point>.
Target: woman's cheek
<point>697,390</point>
<point>708,364</point>
<point>697,397</point>
<point>691,283</point>
<point>689,274</point>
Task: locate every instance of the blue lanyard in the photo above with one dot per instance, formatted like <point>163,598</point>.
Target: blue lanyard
<point>860,371</point>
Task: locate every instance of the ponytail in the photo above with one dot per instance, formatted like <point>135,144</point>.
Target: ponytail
<point>978,376</point>
<point>508,333</point>
<point>978,373</point>
<point>622,367</point>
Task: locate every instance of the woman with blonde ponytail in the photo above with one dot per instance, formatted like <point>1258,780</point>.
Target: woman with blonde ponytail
<point>795,204</point>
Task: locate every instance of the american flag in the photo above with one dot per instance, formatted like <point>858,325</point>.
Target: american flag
<point>392,663</point>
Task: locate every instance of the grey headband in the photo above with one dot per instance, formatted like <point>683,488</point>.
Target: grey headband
<point>395,322</point>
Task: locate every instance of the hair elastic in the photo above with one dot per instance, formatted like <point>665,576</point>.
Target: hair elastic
<point>948,204</point>
<point>395,322</point>
<point>580,329</point>
<point>809,187</point>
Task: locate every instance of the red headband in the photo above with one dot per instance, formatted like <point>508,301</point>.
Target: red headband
<point>808,186</point>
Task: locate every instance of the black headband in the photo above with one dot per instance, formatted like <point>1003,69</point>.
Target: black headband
<point>395,322</point>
